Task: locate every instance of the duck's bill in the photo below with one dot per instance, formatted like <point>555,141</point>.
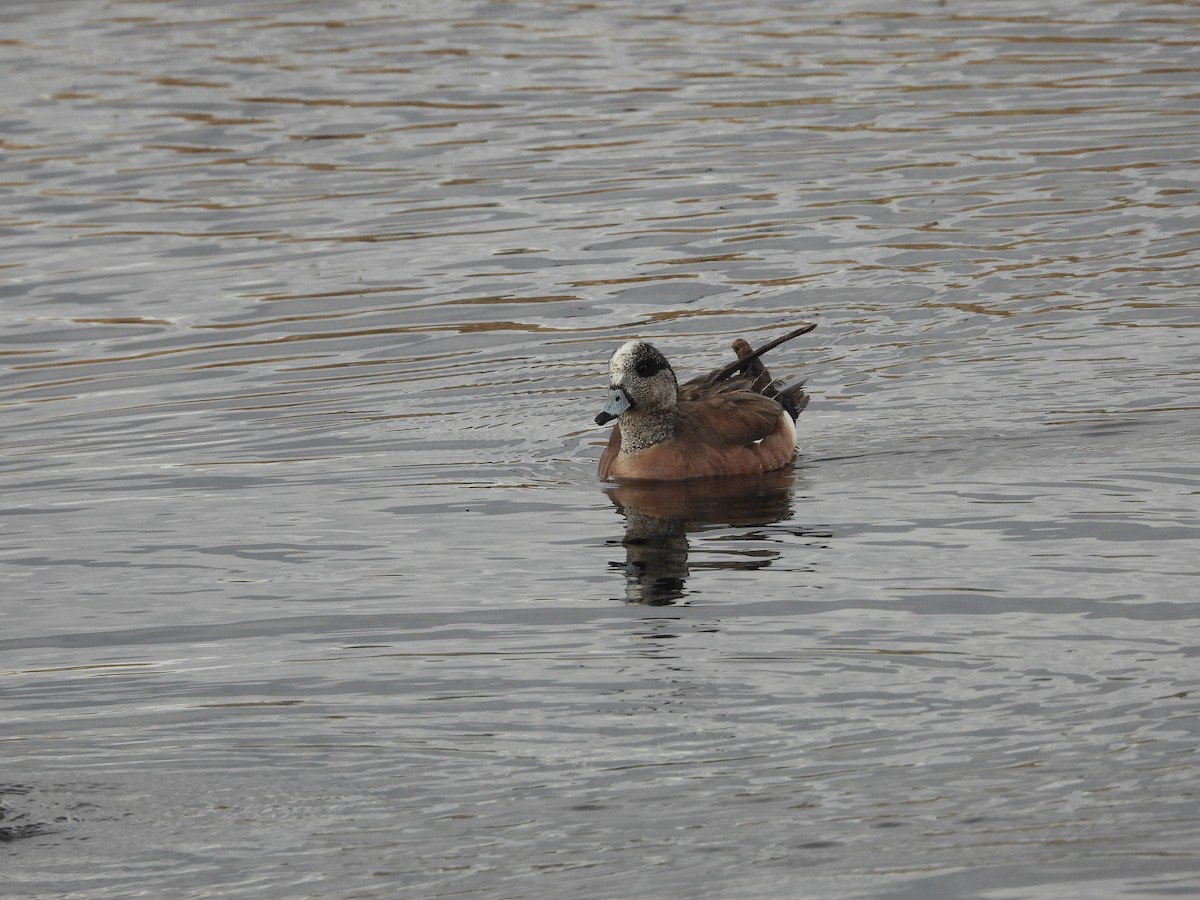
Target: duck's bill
<point>617,404</point>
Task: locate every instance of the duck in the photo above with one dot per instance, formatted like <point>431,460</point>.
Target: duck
<point>736,420</point>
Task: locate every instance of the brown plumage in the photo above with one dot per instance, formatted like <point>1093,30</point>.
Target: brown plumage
<point>736,420</point>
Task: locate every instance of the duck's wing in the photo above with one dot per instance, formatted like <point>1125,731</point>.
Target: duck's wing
<point>727,414</point>
<point>747,374</point>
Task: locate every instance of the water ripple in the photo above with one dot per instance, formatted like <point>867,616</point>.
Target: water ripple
<point>305,315</point>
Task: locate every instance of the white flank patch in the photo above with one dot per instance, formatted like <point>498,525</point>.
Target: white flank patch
<point>789,425</point>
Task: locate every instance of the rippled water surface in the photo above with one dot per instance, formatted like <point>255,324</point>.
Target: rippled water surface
<point>309,587</point>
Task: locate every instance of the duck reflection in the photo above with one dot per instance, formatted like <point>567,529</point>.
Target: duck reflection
<point>660,515</point>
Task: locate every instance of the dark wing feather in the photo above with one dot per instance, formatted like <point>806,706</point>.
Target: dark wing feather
<point>748,376</point>
<point>743,362</point>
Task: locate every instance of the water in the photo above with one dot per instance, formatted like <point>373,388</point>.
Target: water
<point>308,585</point>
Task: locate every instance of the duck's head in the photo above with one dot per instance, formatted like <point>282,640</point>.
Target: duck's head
<point>639,378</point>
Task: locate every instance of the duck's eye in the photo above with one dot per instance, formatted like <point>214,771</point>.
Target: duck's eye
<point>646,368</point>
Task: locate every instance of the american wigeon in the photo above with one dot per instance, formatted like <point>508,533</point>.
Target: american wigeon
<point>737,420</point>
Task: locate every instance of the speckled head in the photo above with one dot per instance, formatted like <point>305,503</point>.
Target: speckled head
<point>636,360</point>
<point>640,379</point>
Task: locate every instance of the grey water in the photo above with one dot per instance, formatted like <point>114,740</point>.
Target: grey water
<point>307,584</point>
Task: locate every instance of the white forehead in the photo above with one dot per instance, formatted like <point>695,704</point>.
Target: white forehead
<point>623,360</point>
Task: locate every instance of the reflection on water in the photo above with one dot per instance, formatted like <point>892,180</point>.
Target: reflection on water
<point>306,582</point>
<point>660,515</point>
<point>15,822</point>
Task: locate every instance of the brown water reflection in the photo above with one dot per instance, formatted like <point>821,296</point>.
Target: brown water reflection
<point>659,517</point>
